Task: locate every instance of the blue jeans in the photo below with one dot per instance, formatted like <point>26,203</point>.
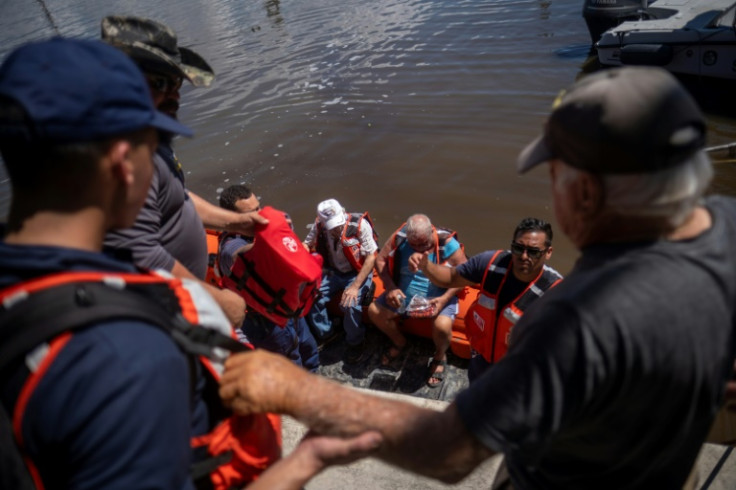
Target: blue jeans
<point>293,341</point>
<point>332,282</point>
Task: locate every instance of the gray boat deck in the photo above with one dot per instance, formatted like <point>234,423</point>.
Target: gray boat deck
<point>406,375</point>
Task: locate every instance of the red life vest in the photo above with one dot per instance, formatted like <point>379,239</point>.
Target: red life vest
<point>441,237</point>
<point>349,240</point>
<point>240,447</point>
<point>488,330</point>
<point>277,277</point>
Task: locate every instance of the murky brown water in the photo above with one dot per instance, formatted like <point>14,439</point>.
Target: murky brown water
<point>389,106</point>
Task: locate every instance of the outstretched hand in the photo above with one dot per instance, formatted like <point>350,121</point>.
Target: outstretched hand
<point>331,450</point>
<point>259,381</point>
<point>245,223</point>
<point>418,261</point>
<point>313,454</point>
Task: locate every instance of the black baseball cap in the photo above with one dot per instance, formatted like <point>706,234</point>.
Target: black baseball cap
<point>620,121</point>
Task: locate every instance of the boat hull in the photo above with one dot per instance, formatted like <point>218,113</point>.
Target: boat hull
<point>710,60</point>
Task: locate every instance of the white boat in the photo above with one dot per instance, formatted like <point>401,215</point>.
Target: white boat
<point>688,37</point>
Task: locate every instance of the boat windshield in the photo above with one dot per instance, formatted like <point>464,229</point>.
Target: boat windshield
<point>727,19</point>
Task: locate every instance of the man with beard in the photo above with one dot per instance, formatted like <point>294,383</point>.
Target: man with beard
<point>169,231</point>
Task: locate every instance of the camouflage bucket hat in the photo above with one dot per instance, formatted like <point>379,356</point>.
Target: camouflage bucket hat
<point>154,47</point>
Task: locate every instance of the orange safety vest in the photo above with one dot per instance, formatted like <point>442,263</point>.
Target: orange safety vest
<point>440,235</point>
<point>349,240</point>
<point>240,447</point>
<point>488,329</point>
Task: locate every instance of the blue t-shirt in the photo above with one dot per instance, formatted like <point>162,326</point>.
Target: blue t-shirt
<point>227,250</point>
<point>416,283</point>
<point>113,409</point>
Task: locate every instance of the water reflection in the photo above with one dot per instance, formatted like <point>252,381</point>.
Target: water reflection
<point>389,106</point>
<point>272,10</point>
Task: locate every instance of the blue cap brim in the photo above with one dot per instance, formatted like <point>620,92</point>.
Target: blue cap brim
<point>168,124</point>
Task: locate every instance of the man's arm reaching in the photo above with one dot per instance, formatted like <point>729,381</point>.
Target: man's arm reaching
<point>428,442</point>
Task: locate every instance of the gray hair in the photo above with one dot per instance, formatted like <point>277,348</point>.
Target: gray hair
<point>418,226</point>
<point>670,194</point>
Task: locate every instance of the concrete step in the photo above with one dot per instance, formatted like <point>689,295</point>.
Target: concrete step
<point>716,464</point>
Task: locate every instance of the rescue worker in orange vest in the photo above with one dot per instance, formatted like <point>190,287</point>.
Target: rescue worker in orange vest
<point>404,284</point>
<point>347,244</point>
<point>510,281</point>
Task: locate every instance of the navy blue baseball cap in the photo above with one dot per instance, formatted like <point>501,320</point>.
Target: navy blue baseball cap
<point>80,90</point>
<point>634,119</point>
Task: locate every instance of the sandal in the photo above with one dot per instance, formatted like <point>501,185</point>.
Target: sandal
<point>393,353</point>
<point>432,372</point>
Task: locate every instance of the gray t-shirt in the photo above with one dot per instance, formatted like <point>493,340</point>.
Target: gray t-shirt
<point>613,378</point>
<point>168,227</point>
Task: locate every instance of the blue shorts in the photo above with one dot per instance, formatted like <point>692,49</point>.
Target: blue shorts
<point>450,310</point>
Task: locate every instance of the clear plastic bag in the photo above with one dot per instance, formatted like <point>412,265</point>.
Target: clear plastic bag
<point>419,307</point>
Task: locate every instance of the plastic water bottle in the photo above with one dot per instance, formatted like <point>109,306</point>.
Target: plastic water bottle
<point>402,308</point>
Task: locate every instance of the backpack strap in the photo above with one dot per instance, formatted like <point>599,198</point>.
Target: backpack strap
<point>13,471</point>
<point>26,322</point>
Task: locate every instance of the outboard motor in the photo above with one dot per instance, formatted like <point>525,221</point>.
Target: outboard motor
<point>601,15</point>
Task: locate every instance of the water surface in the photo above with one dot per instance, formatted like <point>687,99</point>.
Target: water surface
<point>389,106</point>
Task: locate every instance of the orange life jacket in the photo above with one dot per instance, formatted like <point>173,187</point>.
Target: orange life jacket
<point>239,447</point>
<point>441,237</point>
<point>488,330</point>
<point>349,240</point>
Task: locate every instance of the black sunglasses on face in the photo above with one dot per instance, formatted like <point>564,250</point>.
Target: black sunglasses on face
<point>164,84</point>
<point>532,252</point>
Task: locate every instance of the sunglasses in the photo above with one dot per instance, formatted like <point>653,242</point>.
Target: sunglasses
<point>164,84</point>
<point>531,252</point>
